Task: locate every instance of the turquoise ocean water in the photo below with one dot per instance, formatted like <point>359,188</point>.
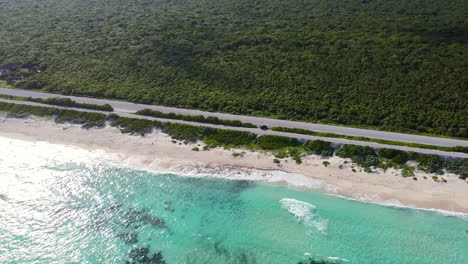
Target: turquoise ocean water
<point>60,204</point>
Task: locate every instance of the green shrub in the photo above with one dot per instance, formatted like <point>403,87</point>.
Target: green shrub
<point>413,155</point>
<point>366,161</point>
<point>186,132</point>
<point>326,163</point>
<point>407,171</point>
<point>297,159</point>
<point>277,161</point>
<point>430,163</point>
<point>195,118</point>
<point>457,166</point>
<point>349,151</point>
<point>281,155</point>
<point>112,117</point>
<point>397,156</point>
<point>22,111</point>
<point>320,147</point>
<point>460,149</point>
<point>270,142</point>
<point>230,138</point>
<point>67,102</point>
<point>135,126</point>
<point>195,149</point>
<point>86,119</point>
<point>238,154</point>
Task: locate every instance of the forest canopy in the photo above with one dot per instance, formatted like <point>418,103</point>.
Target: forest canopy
<point>390,64</point>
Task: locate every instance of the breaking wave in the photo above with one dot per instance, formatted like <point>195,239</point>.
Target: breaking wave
<point>304,214</point>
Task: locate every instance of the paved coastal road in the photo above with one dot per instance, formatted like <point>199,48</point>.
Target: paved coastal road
<point>262,132</point>
<point>127,107</point>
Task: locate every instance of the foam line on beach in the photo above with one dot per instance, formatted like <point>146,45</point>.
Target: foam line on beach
<point>79,154</point>
<point>397,204</point>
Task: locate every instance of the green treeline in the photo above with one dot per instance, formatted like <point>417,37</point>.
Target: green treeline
<point>195,118</point>
<point>283,147</point>
<point>393,65</point>
<point>382,141</point>
<point>70,103</point>
<point>86,119</point>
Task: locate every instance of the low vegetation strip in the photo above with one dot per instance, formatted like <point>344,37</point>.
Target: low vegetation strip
<point>195,118</point>
<point>283,147</point>
<point>70,103</point>
<point>382,141</point>
<point>60,102</point>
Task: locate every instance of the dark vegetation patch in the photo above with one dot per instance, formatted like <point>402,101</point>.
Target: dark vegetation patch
<point>70,103</point>
<point>230,138</point>
<point>320,147</point>
<point>86,119</point>
<point>196,118</point>
<point>135,126</point>
<point>314,261</point>
<point>271,142</point>
<point>142,255</point>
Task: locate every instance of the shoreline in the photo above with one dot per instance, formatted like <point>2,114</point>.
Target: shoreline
<point>157,152</point>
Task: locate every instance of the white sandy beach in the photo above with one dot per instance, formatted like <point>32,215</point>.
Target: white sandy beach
<point>158,152</point>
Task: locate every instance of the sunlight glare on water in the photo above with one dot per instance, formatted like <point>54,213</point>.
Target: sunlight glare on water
<point>60,204</point>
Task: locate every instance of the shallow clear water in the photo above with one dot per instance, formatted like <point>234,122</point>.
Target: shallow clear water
<point>60,204</point>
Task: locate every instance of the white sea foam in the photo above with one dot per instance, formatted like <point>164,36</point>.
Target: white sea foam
<point>255,174</point>
<point>374,199</point>
<point>42,153</point>
<point>337,258</point>
<point>304,213</point>
<point>21,155</point>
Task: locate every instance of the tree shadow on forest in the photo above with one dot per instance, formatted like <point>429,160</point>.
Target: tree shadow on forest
<point>449,35</point>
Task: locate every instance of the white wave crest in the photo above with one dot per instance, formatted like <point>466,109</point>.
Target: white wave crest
<point>337,258</point>
<point>254,174</point>
<point>374,199</point>
<point>304,213</point>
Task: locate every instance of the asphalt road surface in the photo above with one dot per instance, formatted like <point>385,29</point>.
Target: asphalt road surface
<point>127,108</point>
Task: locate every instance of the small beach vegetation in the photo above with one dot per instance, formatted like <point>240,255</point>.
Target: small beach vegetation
<point>67,102</point>
<point>134,126</point>
<point>271,142</point>
<point>320,147</point>
<point>195,118</point>
<point>230,138</point>
<point>407,171</point>
<point>430,163</point>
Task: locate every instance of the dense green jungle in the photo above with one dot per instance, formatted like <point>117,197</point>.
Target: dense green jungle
<point>395,65</point>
